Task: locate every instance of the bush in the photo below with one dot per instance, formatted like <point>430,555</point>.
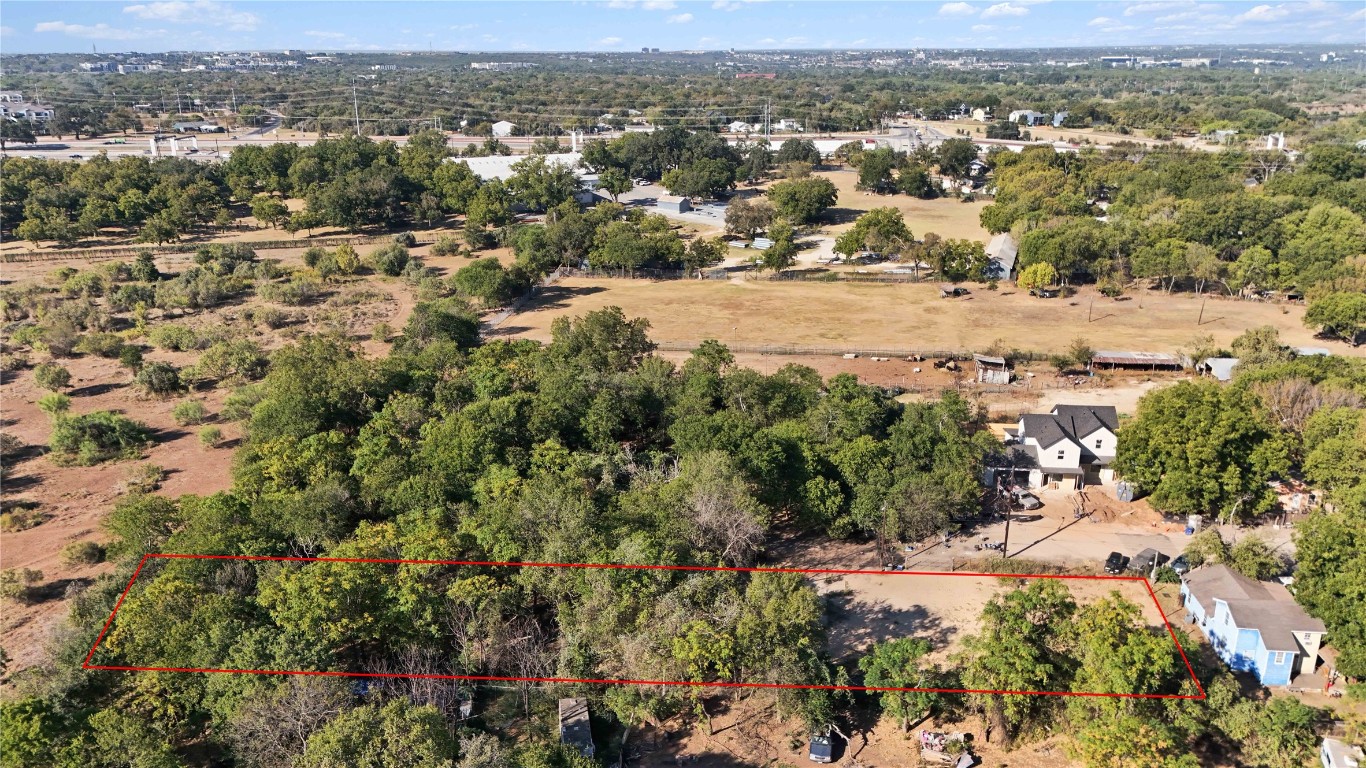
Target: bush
<point>82,553</point>
<point>11,363</point>
<point>129,296</point>
<point>17,583</point>
<point>238,360</point>
<point>210,436</point>
<point>388,260</point>
<point>381,332</point>
<point>51,376</point>
<point>238,404</point>
<point>143,478</point>
<point>446,246</point>
<point>21,519</point>
<point>313,255</point>
<point>348,261</point>
<point>189,412</point>
<point>178,338</point>
<point>299,290</point>
<point>270,317</point>
<point>159,379</point>
<point>130,357</point>
<point>96,437</point>
<point>84,284</point>
<point>406,239</point>
<point>100,344</point>
<point>54,404</point>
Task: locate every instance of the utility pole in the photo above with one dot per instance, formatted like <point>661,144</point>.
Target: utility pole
<point>355,103</point>
<point>234,100</point>
<point>766,133</point>
<point>178,109</point>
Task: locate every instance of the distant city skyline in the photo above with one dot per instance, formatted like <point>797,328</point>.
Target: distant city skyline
<point>629,25</point>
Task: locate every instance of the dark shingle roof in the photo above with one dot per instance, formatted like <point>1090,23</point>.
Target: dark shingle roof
<point>1081,420</point>
<point>1253,605</point>
<point>1042,427</point>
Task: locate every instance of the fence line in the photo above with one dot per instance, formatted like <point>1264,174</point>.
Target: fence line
<point>902,353</point>
<point>131,251</point>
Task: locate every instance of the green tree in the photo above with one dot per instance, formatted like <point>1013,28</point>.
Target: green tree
<point>269,210</point>
<point>615,182</point>
<point>15,130</point>
<point>746,217</point>
<point>488,281</point>
<point>954,156</point>
<point>1203,448</point>
<point>95,437</point>
<point>395,735</point>
<point>803,200</point>
<point>882,230</point>
<point>1340,314</point>
<point>901,664</point>
<point>1037,276</point>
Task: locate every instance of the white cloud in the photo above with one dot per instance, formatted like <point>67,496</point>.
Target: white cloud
<point>323,35</point>
<point>659,5</point>
<point>202,12</point>
<point>983,27</point>
<point>610,41</point>
<point>1358,16</point>
<point>99,31</point>
<point>957,9</point>
<point>1139,9</point>
<point>680,18</point>
<point>621,5</point>
<point>6,31</point>
<point>794,40</point>
<point>1263,13</point>
<point>1004,9</point>
<point>1100,21</point>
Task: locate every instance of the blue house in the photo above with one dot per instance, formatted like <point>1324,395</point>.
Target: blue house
<point>1253,626</point>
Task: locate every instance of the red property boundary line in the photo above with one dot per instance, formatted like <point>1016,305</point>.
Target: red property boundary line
<point>495,678</point>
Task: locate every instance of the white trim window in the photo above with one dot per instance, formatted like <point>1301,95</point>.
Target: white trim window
<point>1279,658</point>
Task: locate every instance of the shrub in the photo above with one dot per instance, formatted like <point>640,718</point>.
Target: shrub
<point>348,261</point>
<point>54,404</point>
<point>130,357</point>
<point>82,553</point>
<point>406,239</point>
<point>51,376</point>
<point>21,519</point>
<point>143,478</point>
<point>145,267</point>
<point>158,378</point>
<point>270,317</point>
<point>237,360</point>
<point>299,290</point>
<point>210,436</point>
<point>189,412</point>
<point>126,297</point>
<point>96,437</point>
<point>84,284</point>
<point>446,246</point>
<point>101,344</point>
<point>388,260</point>
<point>178,338</point>
<point>17,583</point>
<point>381,332</point>
<point>11,363</point>
<point>313,255</point>
<point>238,404</point>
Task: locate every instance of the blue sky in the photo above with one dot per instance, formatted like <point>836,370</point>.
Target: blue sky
<point>624,25</point>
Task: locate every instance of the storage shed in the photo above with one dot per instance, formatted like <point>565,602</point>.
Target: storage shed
<point>575,728</point>
<point>991,370</point>
<point>674,204</point>
<point>1152,361</point>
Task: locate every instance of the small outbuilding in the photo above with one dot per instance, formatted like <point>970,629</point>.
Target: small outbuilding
<point>673,204</point>
<point>1220,368</point>
<point>575,727</point>
<point>1001,254</point>
<point>991,370</point>
<point>503,128</point>
<point>1151,361</point>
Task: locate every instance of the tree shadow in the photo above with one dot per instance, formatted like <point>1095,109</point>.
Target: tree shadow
<point>558,296</point>
<point>840,215</point>
<point>57,589</point>
<point>166,435</point>
<point>856,623</point>
<point>91,390</point>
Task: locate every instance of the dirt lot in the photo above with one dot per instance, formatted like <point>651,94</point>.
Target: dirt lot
<point>905,316</point>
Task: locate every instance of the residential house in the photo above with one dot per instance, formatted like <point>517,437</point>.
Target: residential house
<point>502,129</point>
<point>11,97</point>
<point>1027,117</point>
<point>1253,626</point>
<point>575,727</point>
<point>1338,754</point>
<point>1067,448</point>
<point>1001,254</point>
<point>982,114</point>
<point>33,113</point>
<point>1058,119</point>
<point>788,124</point>
<point>740,126</point>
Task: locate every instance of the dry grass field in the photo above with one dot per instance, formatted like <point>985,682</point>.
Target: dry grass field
<point>906,316</point>
<point>946,217</point>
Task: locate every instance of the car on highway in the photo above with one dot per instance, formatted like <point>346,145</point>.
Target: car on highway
<point>1024,499</point>
<point>1116,563</point>
<point>75,157</point>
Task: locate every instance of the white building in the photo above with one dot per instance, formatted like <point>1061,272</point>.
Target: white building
<point>33,113</point>
<point>11,97</point>
<point>740,126</point>
<point>788,124</point>
<point>1066,448</point>
<point>982,114</point>
<point>500,166</point>
<point>503,128</point>
<point>1027,116</point>
<point>383,67</point>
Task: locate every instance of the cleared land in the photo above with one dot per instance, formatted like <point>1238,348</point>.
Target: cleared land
<point>946,217</point>
<point>906,316</point>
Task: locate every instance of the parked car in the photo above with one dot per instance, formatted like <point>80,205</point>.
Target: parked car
<point>75,157</point>
<point>1145,561</point>
<point>1180,564</point>
<point>1025,499</point>
<point>1115,563</point>
<point>822,748</point>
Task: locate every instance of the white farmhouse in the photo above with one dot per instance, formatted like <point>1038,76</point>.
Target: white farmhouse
<point>1066,448</point>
